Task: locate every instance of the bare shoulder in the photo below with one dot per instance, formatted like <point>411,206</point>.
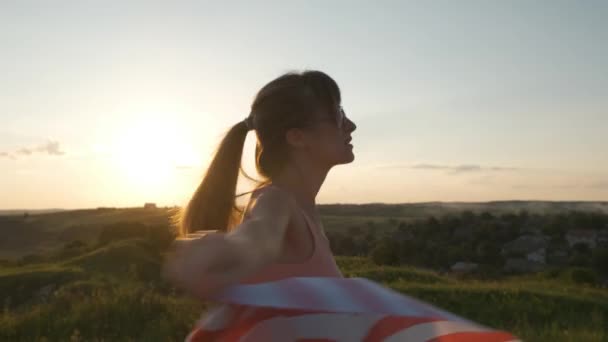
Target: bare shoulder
<point>267,222</point>
<point>271,201</point>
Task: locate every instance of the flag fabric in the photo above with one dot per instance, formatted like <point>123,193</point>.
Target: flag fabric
<point>316,309</point>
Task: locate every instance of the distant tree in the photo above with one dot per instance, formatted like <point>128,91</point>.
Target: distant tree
<point>432,222</point>
<point>362,246</point>
<point>488,252</point>
<point>355,230</point>
<point>600,260</point>
<point>522,217</point>
<point>486,216</point>
<point>468,217</point>
<point>385,253</point>
<point>581,248</point>
<point>510,218</point>
<point>555,226</point>
<point>584,276</point>
<point>341,244</point>
<point>578,259</point>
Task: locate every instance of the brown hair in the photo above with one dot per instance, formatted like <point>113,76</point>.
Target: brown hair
<point>292,100</point>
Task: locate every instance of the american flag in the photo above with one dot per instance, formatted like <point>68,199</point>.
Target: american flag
<point>323,309</point>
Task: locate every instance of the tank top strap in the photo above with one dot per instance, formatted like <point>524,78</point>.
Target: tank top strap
<point>314,228</point>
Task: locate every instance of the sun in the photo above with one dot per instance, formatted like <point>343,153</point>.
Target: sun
<point>150,149</point>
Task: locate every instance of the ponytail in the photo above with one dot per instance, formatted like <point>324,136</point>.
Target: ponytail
<point>212,206</point>
<point>289,101</point>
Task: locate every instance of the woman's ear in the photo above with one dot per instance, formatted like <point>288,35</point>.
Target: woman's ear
<point>296,137</point>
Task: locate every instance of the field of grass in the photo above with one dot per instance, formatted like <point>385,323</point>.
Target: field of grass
<point>43,233</point>
<point>113,293</point>
<point>110,289</point>
<point>535,308</point>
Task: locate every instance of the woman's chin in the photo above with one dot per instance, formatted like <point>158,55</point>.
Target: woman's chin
<point>348,158</point>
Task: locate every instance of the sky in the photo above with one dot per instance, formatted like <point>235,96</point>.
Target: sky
<point>117,103</point>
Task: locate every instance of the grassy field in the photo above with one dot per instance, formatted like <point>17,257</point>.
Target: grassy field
<point>111,290</point>
<point>113,293</point>
<point>536,308</point>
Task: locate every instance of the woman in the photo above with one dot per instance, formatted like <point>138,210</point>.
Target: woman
<point>302,132</point>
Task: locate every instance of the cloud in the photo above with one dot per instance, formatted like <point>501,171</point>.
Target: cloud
<point>7,155</point>
<point>24,151</point>
<point>456,169</point>
<point>51,148</point>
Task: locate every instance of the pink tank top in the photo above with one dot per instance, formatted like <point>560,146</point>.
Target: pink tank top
<point>320,264</point>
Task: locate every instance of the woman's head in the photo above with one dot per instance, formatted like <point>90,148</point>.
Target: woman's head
<point>297,115</point>
<point>300,112</point>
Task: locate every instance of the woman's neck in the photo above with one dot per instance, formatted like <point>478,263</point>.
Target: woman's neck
<point>304,183</point>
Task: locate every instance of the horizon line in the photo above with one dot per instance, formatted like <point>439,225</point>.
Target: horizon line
<point>603,202</point>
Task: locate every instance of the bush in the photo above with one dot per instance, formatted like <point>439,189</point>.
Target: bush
<point>581,260</point>
<point>600,260</point>
<point>160,236</point>
<point>121,231</point>
<point>385,253</point>
<point>31,259</point>
<point>584,276</point>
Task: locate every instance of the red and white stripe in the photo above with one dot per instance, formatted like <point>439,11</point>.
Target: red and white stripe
<point>332,309</point>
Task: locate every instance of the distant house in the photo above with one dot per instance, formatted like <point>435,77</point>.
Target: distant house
<point>538,256</point>
<point>464,267</point>
<point>150,205</point>
<point>585,236</point>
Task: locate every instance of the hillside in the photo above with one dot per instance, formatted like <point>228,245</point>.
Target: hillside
<point>41,233</point>
<point>37,233</point>
<point>102,294</point>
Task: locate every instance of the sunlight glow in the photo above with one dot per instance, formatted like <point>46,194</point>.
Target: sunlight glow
<point>150,149</point>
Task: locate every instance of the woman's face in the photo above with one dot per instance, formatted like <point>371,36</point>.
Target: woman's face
<point>329,138</point>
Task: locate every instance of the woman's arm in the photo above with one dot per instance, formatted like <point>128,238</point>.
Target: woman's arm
<point>206,264</point>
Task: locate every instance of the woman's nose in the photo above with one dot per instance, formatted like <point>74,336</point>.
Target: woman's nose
<point>350,125</point>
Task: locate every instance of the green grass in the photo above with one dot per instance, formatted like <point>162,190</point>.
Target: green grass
<point>529,313</point>
<point>89,311</point>
<point>134,258</point>
<point>363,268</point>
<point>20,287</point>
<point>537,307</point>
<point>98,297</point>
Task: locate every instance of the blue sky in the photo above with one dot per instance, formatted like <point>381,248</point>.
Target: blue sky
<point>454,101</point>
